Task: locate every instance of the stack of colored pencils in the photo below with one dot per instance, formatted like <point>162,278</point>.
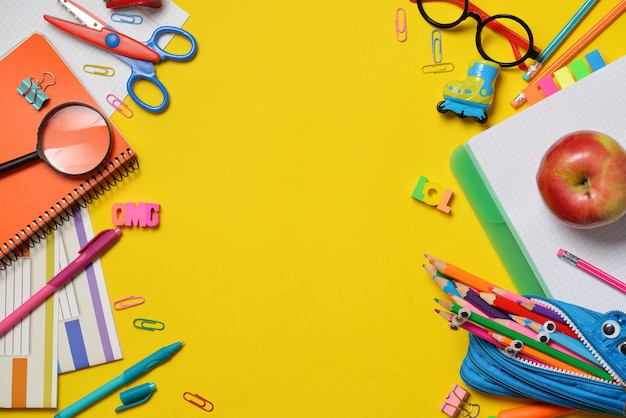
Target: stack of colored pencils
<point>510,321</point>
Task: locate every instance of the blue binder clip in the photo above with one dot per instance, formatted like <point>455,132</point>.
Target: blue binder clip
<point>136,396</point>
<point>34,91</point>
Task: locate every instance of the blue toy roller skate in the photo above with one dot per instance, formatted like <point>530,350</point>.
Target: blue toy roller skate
<point>472,96</point>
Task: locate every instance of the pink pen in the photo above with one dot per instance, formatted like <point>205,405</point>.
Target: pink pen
<point>92,250</point>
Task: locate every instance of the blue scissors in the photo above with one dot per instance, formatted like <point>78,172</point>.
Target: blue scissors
<point>140,56</point>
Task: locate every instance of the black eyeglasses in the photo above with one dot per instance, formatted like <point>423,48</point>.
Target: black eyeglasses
<point>445,14</point>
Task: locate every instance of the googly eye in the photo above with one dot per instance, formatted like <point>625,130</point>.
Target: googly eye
<point>464,313</point>
<point>622,348</point>
<point>543,337</point>
<point>549,326</point>
<point>611,329</point>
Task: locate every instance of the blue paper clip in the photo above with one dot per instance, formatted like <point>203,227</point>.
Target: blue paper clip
<point>199,401</point>
<point>435,37</point>
<point>127,18</point>
<point>148,324</point>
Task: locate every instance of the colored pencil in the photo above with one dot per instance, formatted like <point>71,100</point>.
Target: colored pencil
<point>572,344</point>
<point>546,349</point>
<point>519,298</point>
<point>443,282</point>
<point>475,300</point>
<point>539,355</point>
<point>578,46</point>
<point>542,310</point>
<point>508,294</point>
<point>459,274</point>
<point>481,333</point>
<point>511,307</point>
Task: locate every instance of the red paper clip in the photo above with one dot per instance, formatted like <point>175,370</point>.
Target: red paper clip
<point>193,399</point>
<point>114,4</point>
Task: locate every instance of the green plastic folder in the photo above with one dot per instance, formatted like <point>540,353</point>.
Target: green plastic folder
<point>493,222</point>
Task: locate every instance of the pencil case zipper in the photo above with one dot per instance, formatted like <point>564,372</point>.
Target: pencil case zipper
<point>488,369</point>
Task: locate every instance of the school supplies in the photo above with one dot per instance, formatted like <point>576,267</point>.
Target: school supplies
<point>87,331</point>
<point>94,248</point>
<point>521,366</point>
<point>130,374</point>
<point>139,56</point>
<point>456,402</point>
<point>497,168</point>
<point>535,411</point>
<point>498,23</point>
<point>578,46</point>
<point>558,39</point>
<point>591,269</point>
<point>40,197</point>
<point>28,355</point>
<point>24,21</point>
<point>73,139</point>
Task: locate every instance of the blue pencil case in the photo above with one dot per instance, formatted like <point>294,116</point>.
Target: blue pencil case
<point>491,369</point>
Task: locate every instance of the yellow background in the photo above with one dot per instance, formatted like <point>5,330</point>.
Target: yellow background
<point>289,254</point>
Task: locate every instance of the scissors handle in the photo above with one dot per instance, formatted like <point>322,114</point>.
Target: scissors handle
<point>152,43</point>
<point>136,77</point>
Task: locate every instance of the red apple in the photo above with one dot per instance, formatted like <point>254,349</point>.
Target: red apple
<point>582,179</point>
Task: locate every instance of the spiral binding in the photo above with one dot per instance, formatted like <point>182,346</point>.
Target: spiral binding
<point>89,190</point>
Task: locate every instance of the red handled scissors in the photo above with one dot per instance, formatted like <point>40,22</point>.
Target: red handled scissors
<point>140,56</point>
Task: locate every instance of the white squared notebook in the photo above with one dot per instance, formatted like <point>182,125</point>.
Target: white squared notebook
<point>497,170</point>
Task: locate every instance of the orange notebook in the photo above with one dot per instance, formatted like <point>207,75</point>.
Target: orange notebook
<point>35,198</point>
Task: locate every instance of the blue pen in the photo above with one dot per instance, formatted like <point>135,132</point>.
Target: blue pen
<point>144,366</point>
<point>534,68</point>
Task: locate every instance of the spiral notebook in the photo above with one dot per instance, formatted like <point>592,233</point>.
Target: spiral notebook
<point>36,198</point>
<point>497,170</point>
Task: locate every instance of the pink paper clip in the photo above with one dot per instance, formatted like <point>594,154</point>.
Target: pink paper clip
<point>199,401</point>
<point>456,402</point>
<point>401,24</point>
<point>128,302</point>
<point>119,105</point>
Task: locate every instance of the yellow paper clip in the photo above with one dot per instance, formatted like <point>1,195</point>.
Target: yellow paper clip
<point>119,105</point>
<point>401,24</point>
<point>99,70</point>
<point>444,67</point>
<point>436,45</point>
<point>148,324</point>
<point>195,399</point>
<point>128,302</point>
<point>127,18</point>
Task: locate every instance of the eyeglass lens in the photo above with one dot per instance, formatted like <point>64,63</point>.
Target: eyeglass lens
<point>493,35</point>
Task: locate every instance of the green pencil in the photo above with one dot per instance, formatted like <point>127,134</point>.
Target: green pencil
<point>546,349</point>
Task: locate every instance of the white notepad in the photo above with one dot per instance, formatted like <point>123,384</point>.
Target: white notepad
<point>507,157</point>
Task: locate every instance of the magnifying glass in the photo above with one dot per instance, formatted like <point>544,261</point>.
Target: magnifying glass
<point>73,139</point>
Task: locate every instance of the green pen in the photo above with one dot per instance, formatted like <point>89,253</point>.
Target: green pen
<point>544,348</point>
<point>130,374</point>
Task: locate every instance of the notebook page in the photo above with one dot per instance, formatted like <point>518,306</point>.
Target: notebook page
<point>509,155</point>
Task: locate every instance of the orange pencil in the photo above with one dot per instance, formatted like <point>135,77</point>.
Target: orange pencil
<point>536,411</point>
<point>578,46</point>
<point>459,274</point>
